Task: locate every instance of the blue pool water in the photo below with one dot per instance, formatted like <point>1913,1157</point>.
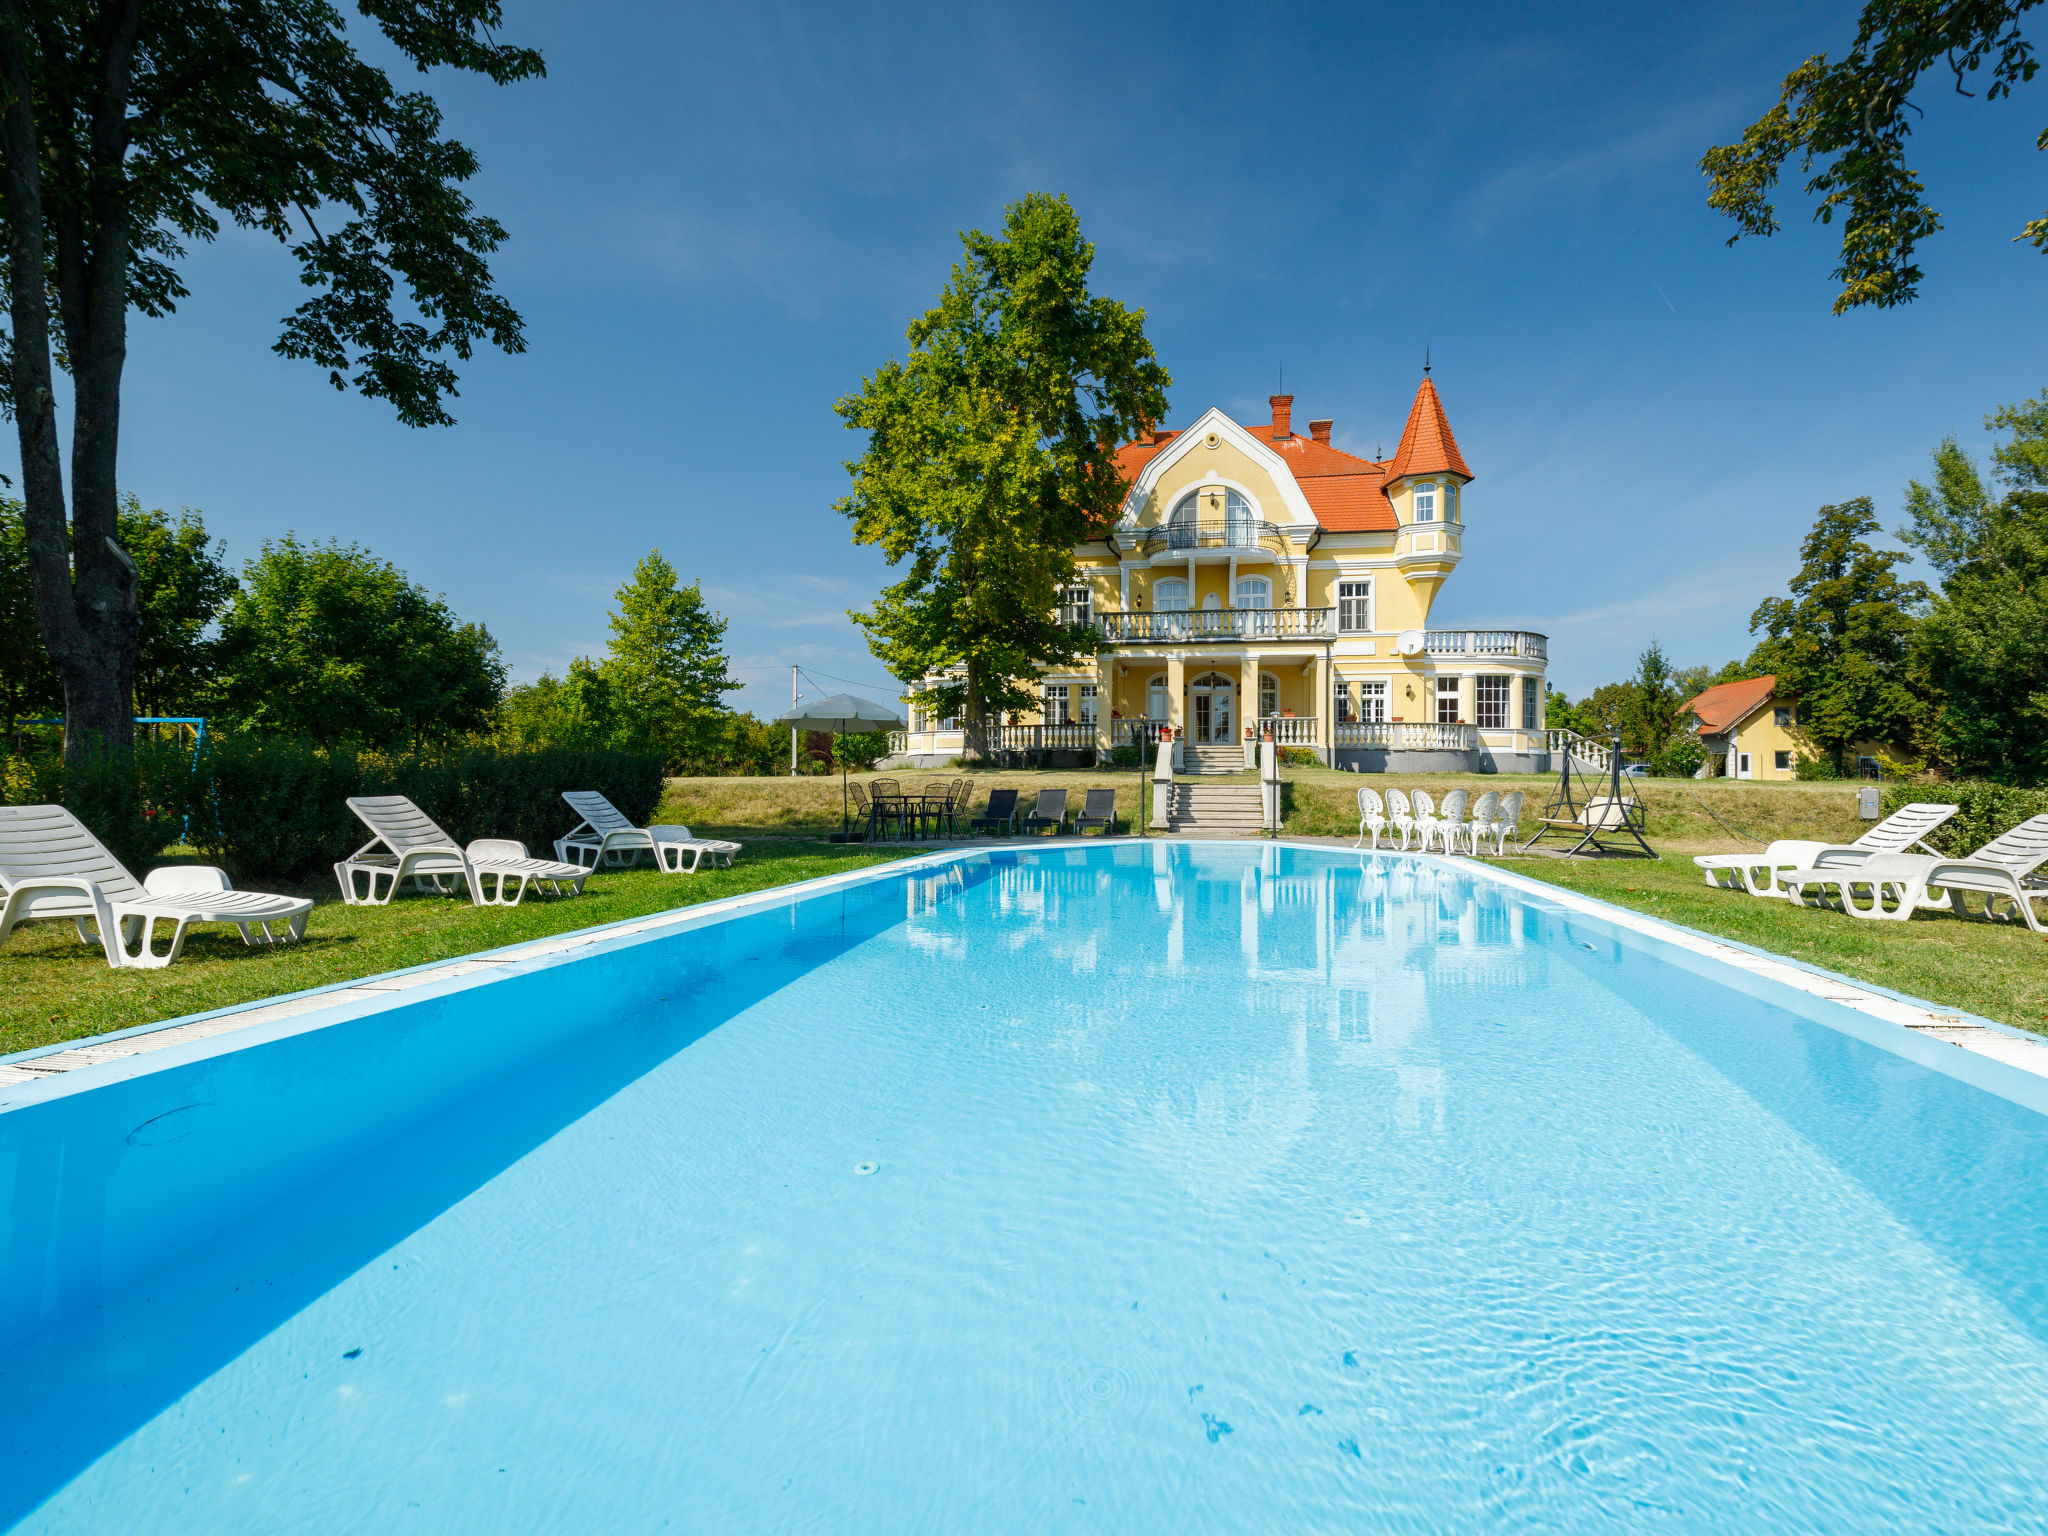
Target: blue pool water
<point>1120,1188</point>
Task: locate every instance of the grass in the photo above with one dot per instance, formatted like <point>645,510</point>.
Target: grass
<point>52,988</point>
<point>1996,970</point>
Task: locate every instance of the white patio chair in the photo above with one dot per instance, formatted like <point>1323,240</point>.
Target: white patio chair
<point>605,832</point>
<point>1447,827</point>
<point>51,866</point>
<point>1401,814</point>
<point>1900,884</point>
<point>1484,810</point>
<point>1372,816</point>
<point>407,845</point>
<point>1759,873</point>
<point>1425,817</point>
<point>1507,821</point>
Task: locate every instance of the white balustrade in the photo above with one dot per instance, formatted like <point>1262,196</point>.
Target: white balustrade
<point>1290,730</point>
<point>1406,735</point>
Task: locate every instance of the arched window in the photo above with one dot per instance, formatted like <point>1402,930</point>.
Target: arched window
<point>1158,704</point>
<point>1181,525</point>
<point>1425,502</point>
<point>1451,501</point>
<point>1170,596</point>
<point>1254,592</point>
<point>1240,528</point>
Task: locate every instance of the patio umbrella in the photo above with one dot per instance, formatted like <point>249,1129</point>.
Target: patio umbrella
<point>841,713</point>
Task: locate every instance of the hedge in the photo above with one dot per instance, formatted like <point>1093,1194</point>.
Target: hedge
<point>273,809</point>
<point>133,800</point>
<point>1985,810</point>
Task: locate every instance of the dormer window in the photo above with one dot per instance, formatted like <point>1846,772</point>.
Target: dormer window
<point>1425,502</point>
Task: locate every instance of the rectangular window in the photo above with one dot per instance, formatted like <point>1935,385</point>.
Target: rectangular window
<point>1532,703</point>
<point>1450,501</point>
<point>1055,711</point>
<point>1372,702</point>
<point>1087,703</point>
<point>1447,710</point>
<point>1344,702</point>
<point>1354,607</point>
<point>1078,606</point>
<point>1425,502</point>
<point>1781,761</point>
<point>1781,716</point>
<point>1490,702</point>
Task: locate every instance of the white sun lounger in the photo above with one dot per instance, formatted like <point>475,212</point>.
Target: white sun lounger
<point>605,833</point>
<point>52,867</point>
<point>409,846</point>
<point>1899,884</point>
<point>1759,873</point>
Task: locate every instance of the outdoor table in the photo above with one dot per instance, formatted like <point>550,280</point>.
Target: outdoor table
<point>907,808</point>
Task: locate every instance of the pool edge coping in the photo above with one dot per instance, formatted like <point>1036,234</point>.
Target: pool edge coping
<point>314,1007</point>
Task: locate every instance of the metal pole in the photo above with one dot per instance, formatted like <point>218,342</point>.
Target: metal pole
<point>795,698</point>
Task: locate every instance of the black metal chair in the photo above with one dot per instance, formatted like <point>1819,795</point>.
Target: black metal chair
<point>1051,811</point>
<point>999,813</point>
<point>1098,809</point>
<point>865,808</point>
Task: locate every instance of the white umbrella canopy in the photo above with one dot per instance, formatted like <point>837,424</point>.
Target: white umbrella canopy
<point>843,712</point>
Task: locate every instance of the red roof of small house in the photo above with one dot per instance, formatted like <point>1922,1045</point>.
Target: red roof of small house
<point>1427,447</point>
<point>1346,493</point>
<point>1726,705</point>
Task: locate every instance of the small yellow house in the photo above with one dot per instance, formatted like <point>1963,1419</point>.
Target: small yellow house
<point>1750,730</point>
<point>1256,579</point>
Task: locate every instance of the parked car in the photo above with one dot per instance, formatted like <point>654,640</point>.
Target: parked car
<point>1635,770</point>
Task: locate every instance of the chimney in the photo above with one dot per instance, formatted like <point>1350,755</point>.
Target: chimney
<point>1283,416</point>
<point>1320,431</point>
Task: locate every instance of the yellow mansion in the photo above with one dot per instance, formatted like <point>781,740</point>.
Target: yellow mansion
<point>1258,579</point>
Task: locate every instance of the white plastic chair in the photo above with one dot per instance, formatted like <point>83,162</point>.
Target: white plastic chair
<point>1425,817</point>
<point>1759,873</point>
<point>1401,814</point>
<point>1481,825</point>
<point>1448,825</point>
<point>51,866</point>
<point>605,832</point>
<point>1507,821</point>
<point>408,845</point>
<point>1372,817</point>
<point>2003,870</point>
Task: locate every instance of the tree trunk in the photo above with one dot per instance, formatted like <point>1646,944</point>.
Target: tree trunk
<point>84,583</point>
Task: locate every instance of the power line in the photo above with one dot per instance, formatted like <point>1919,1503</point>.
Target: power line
<point>890,688</point>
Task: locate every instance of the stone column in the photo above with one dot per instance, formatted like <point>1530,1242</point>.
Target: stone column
<point>1105,702</point>
<point>1326,731</point>
<point>1248,705</point>
<point>1177,704</point>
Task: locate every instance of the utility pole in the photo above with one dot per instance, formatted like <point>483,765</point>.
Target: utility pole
<point>795,699</point>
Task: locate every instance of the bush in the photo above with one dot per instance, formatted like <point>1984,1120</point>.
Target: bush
<point>272,809</point>
<point>1300,757</point>
<point>1815,768</point>
<point>1984,809</point>
<point>132,800</point>
<point>1680,760</point>
<point>1126,756</point>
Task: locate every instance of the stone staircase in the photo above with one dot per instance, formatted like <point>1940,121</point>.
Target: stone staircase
<point>1223,759</point>
<point>1216,810</point>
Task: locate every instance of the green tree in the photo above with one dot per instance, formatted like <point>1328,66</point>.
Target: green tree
<point>1983,647</point>
<point>1605,711</point>
<point>327,642</point>
<point>1843,640</point>
<point>132,129</point>
<point>989,458</point>
<point>1649,713</point>
<point>574,710</point>
<point>1846,123</point>
<point>183,585</point>
<point>666,668</point>
<point>28,683</point>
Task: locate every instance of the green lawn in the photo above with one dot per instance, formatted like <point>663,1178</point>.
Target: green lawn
<point>53,988</point>
<point>1998,970</point>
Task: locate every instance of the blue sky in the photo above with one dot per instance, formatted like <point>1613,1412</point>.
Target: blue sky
<point>722,217</point>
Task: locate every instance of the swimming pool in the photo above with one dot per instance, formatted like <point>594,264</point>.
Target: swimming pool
<point>1128,1187</point>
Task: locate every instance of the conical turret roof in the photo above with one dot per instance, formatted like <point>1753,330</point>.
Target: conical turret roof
<point>1427,447</point>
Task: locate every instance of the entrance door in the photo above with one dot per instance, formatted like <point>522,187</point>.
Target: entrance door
<point>1214,697</point>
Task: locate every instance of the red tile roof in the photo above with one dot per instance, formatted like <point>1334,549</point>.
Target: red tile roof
<point>1726,705</point>
<point>1346,493</point>
<point>1427,447</point>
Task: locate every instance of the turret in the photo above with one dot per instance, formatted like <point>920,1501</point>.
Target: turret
<point>1426,480</point>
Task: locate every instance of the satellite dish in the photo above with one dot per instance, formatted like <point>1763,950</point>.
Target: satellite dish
<point>1409,642</point>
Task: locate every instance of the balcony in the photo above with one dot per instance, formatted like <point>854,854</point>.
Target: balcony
<point>1217,624</point>
<point>1407,735</point>
<point>1486,642</point>
<point>1190,536</point>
